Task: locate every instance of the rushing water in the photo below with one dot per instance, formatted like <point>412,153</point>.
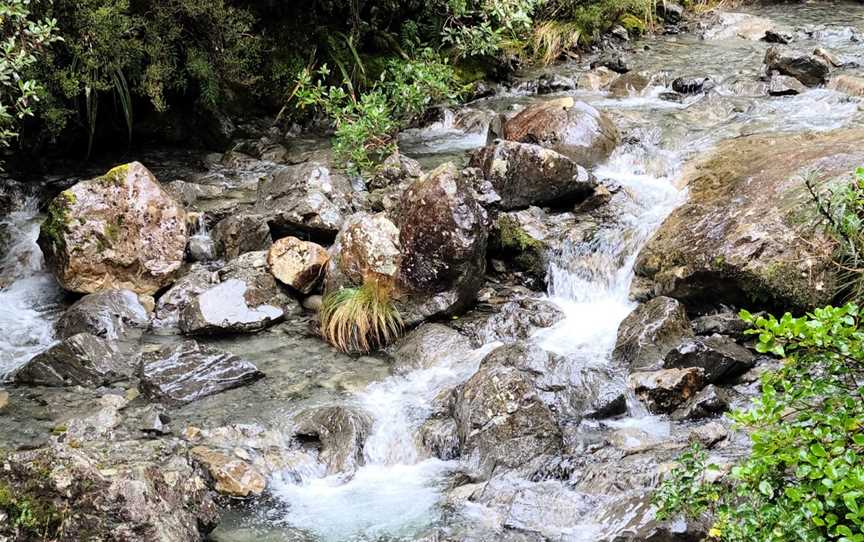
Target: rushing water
<point>399,492</point>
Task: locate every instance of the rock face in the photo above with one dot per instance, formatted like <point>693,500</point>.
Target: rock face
<point>721,358</point>
<point>246,299</point>
<point>663,391</point>
<point>306,199</point>
<point>524,174</point>
<point>367,246</point>
<point>116,315</point>
<point>80,360</point>
<point>709,252</point>
<point>297,263</point>
<point>138,490</point>
<point>121,230</point>
<point>650,332</point>
<point>810,69</point>
<point>182,373</point>
<point>443,234</point>
<point>340,432</point>
<point>574,129</point>
<point>237,234</point>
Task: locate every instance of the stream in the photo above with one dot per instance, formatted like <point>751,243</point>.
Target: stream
<point>400,492</point>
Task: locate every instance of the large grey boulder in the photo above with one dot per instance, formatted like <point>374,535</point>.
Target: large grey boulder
<point>80,360</point>
<point>428,345</point>
<point>340,433</point>
<point>116,315</point>
<point>524,174</point>
<point>121,230</point>
<point>574,129</point>
<point>182,373</point>
<point>650,332</point>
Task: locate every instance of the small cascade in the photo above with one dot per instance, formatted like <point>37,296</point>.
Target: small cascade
<point>201,247</point>
<point>29,296</point>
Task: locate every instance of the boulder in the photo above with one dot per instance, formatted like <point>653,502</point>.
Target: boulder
<point>297,263</point>
<point>121,230</point>
<point>574,129</point>
<point>729,25</point>
<point>709,253</point>
<point>524,240</point>
<point>443,234</point>
<point>692,85</point>
<point>723,323</point>
<point>513,321</point>
<point>305,200</point>
<point>338,432</point>
<point>427,346</point>
<point>670,12</point>
<point>709,402</point>
<point>240,233</point>
<point>119,490</point>
<point>524,174</point>
<point>440,437</point>
<point>650,332</point>
<point>502,421</point>
<point>246,299</point>
<point>854,86</point>
<point>784,85</point>
<point>809,69</point>
<point>366,247</point>
<point>80,360</point>
<point>396,169</point>
<point>231,475</point>
<point>182,373</point>
<point>197,280</point>
<point>663,391</point>
<point>116,315</point>
<point>721,358</point>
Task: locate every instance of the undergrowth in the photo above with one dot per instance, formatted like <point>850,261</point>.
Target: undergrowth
<point>360,320</point>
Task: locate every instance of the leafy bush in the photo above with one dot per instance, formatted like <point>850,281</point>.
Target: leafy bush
<point>367,121</point>
<point>804,477</point>
<point>359,320</point>
<point>24,41</point>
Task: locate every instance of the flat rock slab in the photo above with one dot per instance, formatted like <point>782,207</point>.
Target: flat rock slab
<point>183,373</point>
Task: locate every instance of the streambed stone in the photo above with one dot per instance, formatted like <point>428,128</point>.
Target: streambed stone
<point>428,345</point>
<point>116,315</point>
<point>662,391</point>
<point>231,475</point>
<point>809,69</point>
<point>183,373</point>
<point>339,432</point>
<point>79,360</point>
<point>297,263</point>
<point>650,332</point>
<point>121,230</point>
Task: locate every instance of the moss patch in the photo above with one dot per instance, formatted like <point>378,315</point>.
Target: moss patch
<point>116,176</point>
<point>57,223</point>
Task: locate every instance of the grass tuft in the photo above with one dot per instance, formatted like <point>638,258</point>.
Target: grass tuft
<point>360,320</point>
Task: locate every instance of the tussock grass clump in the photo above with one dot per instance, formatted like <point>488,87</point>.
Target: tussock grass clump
<point>360,320</point>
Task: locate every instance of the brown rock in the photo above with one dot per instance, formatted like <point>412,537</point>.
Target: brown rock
<point>232,476</point>
<point>662,391</point>
<point>854,86</point>
<point>367,246</point>
<point>121,230</point>
<point>297,263</point>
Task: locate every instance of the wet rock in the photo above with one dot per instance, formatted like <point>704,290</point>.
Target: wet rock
<point>728,25</point>
<point>809,69</point>
<point>663,391</point>
<point>4,399</point>
<point>366,247</point>
<point>611,61</point>
<point>828,57</point>
<point>633,440</point>
<point>189,193</point>
<point>116,315</point>
<point>338,433</point>
<point>121,230</point>
<point>98,423</point>
<point>692,85</point>
<point>596,79</point>
<point>440,437</point>
<point>723,323</point>
<point>630,84</point>
<point>232,476</point>
<point>709,402</point>
<point>851,85</point>
<point>549,83</point>
<point>721,358</point>
<point>513,321</point>
<point>427,346</point>
<point>784,85</point>
<point>197,280</point>
<point>522,238</point>
<point>523,174</point>
<point>709,435</point>
<point>305,200</point>
<point>247,299</point>
<point>200,248</point>
<point>636,521</point>
<point>574,129</point>
<point>502,421</point>
<point>670,12</point>
<point>299,264</point>
<point>79,360</point>
<point>709,253</point>
<point>783,36</point>
<point>443,234</point>
<point>182,373</point>
<point>650,332</point>
<point>240,233</point>
<point>396,169</point>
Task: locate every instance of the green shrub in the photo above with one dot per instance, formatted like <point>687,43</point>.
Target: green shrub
<point>804,477</point>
